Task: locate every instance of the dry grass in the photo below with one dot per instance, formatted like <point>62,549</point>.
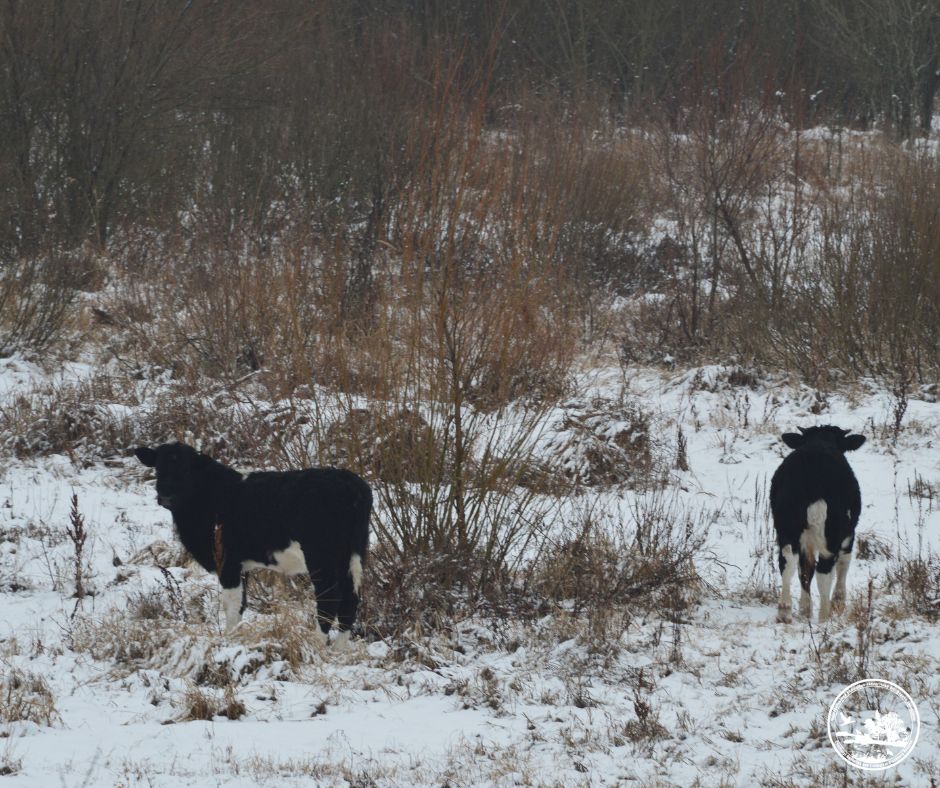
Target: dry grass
<point>25,696</point>
<point>174,628</point>
<point>918,580</point>
<point>9,763</point>
<point>72,419</point>
<point>203,704</point>
<point>652,563</point>
<point>602,443</point>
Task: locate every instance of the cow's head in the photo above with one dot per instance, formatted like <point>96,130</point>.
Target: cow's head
<point>177,467</point>
<point>829,436</point>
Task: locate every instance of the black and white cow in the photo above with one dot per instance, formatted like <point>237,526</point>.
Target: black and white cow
<point>815,501</point>
<point>314,520</point>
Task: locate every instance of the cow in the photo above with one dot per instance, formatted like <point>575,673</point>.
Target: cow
<point>313,521</point>
<point>815,501</point>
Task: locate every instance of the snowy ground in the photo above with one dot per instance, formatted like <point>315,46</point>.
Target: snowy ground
<point>722,696</point>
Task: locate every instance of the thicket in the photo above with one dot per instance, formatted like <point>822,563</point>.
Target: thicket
<point>207,139</point>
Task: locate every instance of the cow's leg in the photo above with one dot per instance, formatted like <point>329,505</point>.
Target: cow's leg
<point>348,606</point>
<point>807,570</point>
<point>788,562</point>
<point>232,593</point>
<point>824,585</point>
<point>842,569</point>
<point>346,612</point>
<point>328,598</point>
<point>326,589</point>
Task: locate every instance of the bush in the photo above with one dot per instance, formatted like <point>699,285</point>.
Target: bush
<point>652,564</point>
<point>36,301</point>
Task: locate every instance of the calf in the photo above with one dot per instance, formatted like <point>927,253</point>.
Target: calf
<point>815,501</point>
<point>314,520</point>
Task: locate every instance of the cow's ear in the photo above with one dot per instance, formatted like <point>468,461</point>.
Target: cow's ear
<point>852,442</point>
<point>147,456</point>
<point>793,440</point>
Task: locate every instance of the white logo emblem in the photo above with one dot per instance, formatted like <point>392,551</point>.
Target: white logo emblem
<point>873,724</point>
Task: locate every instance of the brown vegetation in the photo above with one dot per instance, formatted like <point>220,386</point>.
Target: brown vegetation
<point>25,696</point>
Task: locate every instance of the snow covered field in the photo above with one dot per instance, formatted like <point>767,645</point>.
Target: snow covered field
<point>104,691</point>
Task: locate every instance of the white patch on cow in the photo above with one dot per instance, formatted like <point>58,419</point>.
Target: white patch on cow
<point>342,641</point>
<point>846,543</point>
<point>231,605</point>
<point>289,561</point>
<point>824,584</point>
<point>848,513</point>
<point>355,569</point>
<point>813,539</point>
<point>789,570</point>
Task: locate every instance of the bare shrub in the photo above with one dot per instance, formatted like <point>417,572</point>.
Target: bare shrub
<point>867,299</point>
<point>36,300</point>
<point>469,501</point>
<point>682,451</point>
<point>411,597</point>
<point>579,569</point>
<point>838,660</point>
<point>869,547</point>
<point>394,447</point>
<point>602,443</point>
<point>132,643</point>
<point>102,152</point>
<point>270,592</point>
<point>223,310</point>
<point>473,344</point>
<point>789,248</point>
<point>863,613</point>
<point>653,564</point>
<point>725,161</point>
<point>198,705</point>
<point>598,184</point>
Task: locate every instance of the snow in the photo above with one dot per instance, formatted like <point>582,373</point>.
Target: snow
<point>731,694</point>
